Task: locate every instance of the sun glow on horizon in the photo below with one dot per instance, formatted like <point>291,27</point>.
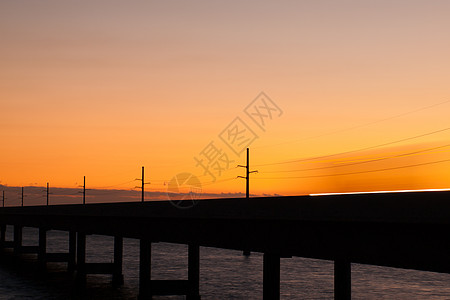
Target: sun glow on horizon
<point>382,192</point>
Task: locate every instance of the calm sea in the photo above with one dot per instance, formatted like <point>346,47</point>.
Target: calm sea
<point>225,274</point>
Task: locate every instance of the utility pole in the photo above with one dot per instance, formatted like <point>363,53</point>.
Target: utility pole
<point>47,193</point>
<point>142,200</point>
<point>22,196</point>
<point>84,189</point>
<point>247,182</point>
<point>143,183</point>
<point>247,252</point>
<point>247,177</point>
<point>3,198</point>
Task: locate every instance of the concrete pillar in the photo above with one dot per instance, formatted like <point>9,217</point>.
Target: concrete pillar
<point>271,276</point>
<point>81,258</point>
<point>145,269</point>
<point>2,235</point>
<point>342,279</point>
<point>193,272</point>
<point>71,264</point>
<point>42,248</point>
<point>117,278</point>
<point>17,239</point>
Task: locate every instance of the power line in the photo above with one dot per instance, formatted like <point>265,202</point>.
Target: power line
<point>356,127</point>
<point>222,171</point>
<point>363,162</point>
<point>359,172</point>
<point>357,150</point>
<point>218,181</point>
<point>114,185</point>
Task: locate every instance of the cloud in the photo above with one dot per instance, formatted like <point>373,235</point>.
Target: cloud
<point>36,195</point>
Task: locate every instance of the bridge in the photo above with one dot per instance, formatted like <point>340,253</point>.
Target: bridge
<point>404,230</point>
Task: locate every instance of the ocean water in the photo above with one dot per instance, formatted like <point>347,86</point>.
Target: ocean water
<point>224,274</point>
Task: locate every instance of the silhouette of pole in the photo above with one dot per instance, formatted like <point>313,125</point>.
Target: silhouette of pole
<point>22,196</point>
<point>247,175</point>
<point>247,181</point>
<point>84,189</point>
<point>142,199</point>
<point>47,193</point>
<point>247,185</point>
<point>143,183</point>
<point>3,198</point>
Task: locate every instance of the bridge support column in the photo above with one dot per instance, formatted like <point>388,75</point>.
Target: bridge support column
<point>42,248</point>
<point>342,279</point>
<point>149,287</point>
<point>81,259</point>
<point>17,239</point>
<point>71,264</point>
<point>44,257</point>
<point>2,236</point>
<point>193,272</point>
<point>145,269</point>
<point>271,276</point>
<point>117,278</point>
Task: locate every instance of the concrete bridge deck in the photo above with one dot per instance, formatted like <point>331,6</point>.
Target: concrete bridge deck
<point>405,230</point>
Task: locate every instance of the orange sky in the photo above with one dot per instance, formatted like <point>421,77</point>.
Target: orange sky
<point>102,88</point>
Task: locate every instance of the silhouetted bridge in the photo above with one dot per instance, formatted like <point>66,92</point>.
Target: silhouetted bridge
<point>404,230</point>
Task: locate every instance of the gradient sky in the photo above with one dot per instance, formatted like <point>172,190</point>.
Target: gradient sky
<point>101,88</point>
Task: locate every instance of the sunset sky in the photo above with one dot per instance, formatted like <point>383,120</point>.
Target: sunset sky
<point>101,88</point>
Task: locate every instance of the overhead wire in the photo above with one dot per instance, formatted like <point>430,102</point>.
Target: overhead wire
<point>218,181</point>
<point>362,162</point>
<point>356,150</point>
<point>357,126</point>
<point>357,172</point>
<point>113,185</point>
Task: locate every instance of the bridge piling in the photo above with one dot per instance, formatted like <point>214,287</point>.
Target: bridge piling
<point>271,276</point>
<point>193,272</point>
<point>148,287</point>
<point>342,279</point>
<point>117,278</point>
<point>71,264</point>
<point>83,268</point>
<point>2,236</point>
<point>44,257</point>
<point>17,239</point>
<point>81,259</point>
<point>144,269</point>
<point>42,252</point>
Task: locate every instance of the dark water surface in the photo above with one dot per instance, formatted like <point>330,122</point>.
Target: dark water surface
<point>224,274</point>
